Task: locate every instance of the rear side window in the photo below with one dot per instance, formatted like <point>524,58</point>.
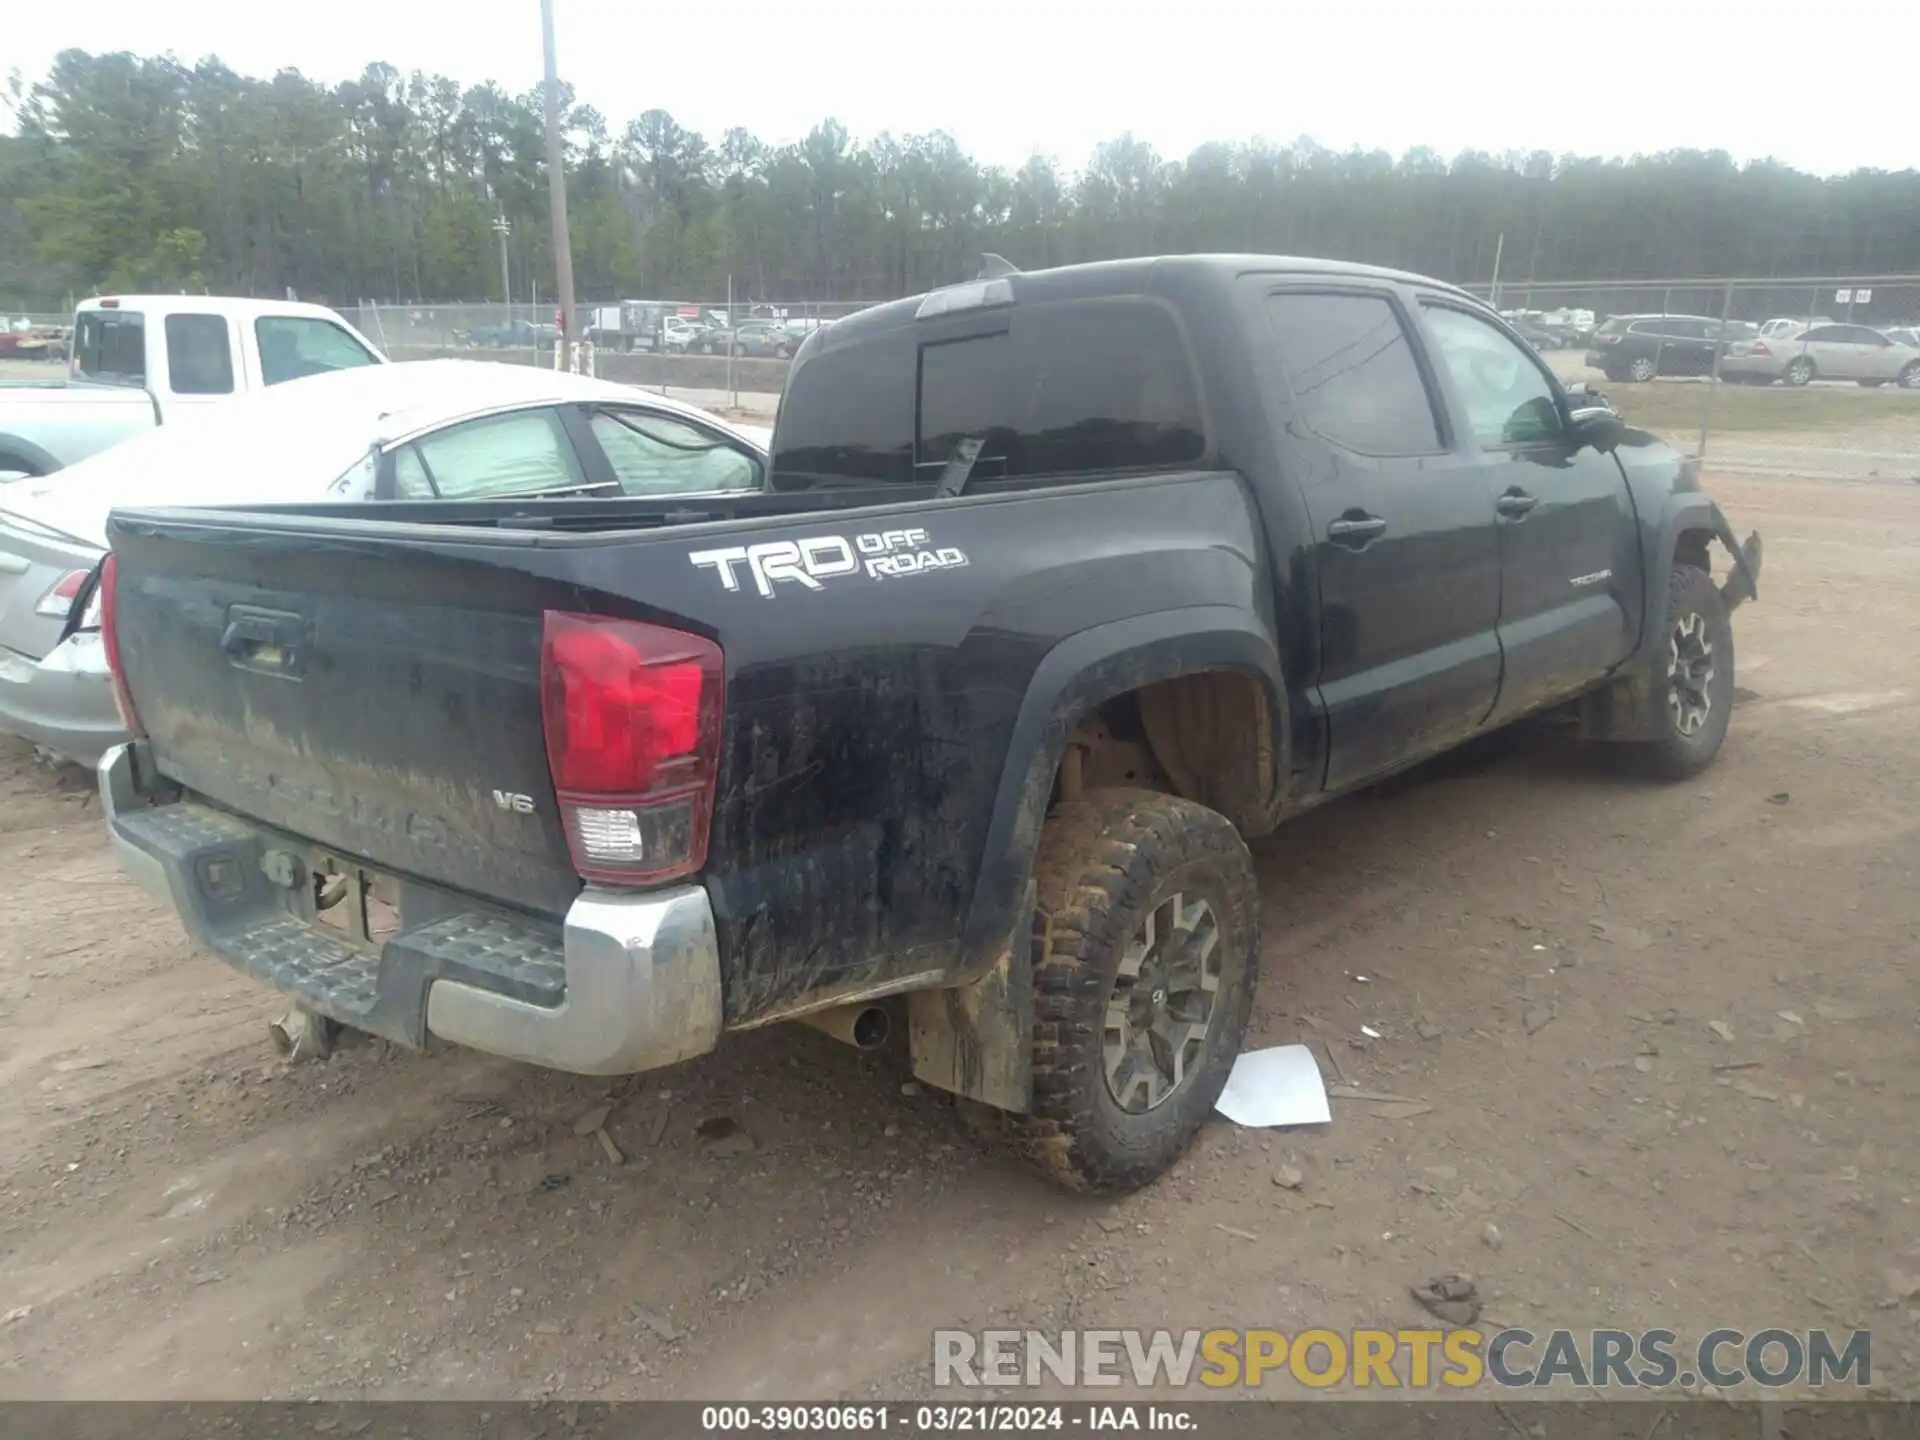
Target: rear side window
<point>295,345</point>
<point>1076,388</point>
<point>519,454</point>
<point>1069,388</point>
<point>653,455</point>
<point>199,355</point>
<point>111,346</point>
<point>1353,374</point>
<point>847,416</point>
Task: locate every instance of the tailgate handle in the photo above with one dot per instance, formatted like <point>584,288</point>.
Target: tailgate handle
<point>273,642</point>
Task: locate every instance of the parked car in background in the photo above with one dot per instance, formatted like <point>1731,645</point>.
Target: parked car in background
<point>510,335</point>
<point>142,361</point>
<point>1539,336</point>
<point>1780,327</point>
<point>1824,352</point>
<point>679,334</point>
<point>1643,347</point>
<point>765,339</point>
<point>430,429</point>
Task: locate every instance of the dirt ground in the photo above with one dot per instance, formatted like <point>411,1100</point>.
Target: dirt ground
<point>1666,1035</point>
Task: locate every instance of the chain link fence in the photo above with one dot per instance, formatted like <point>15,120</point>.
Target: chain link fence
<point>1818,376</point>
<point>1799,375</point>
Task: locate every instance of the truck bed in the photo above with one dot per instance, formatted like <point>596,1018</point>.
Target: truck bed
<point>373,686</point>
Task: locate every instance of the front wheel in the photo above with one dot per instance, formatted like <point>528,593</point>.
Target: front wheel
<point>1693,676</point>
<point>1910,377</point>
<point>1800,372</point>
<point>1643,368</point>
<point>1142,994</point>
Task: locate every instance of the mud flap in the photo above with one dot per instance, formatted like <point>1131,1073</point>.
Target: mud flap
<point>1743,583</point>
<point>976,1040</point>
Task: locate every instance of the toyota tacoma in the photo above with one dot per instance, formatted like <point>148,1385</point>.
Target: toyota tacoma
<point>1066,585</point>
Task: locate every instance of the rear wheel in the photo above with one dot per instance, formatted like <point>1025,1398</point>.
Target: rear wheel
<point>1800,372</point>
<point>1910,377</point>
<point>1142,994</point>
<point>1693,676</point>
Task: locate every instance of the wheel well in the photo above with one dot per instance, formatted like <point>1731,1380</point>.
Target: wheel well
<point>1691,548</point>
<point>11,461</point>
<point>1208,737</point>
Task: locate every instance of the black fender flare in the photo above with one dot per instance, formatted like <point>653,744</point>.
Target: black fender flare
<point>24,449</point>
<point>1628,708</point>
<point>1073,679</point>
<point>1692,512</point>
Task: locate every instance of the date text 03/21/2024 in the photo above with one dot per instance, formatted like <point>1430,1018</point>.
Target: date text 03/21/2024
<point>943,1419</point>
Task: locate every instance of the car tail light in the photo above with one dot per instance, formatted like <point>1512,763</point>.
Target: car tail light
<point>110,639</point>
<point>58,602</point>
<point>632,714</point>
<point>1760,347</point>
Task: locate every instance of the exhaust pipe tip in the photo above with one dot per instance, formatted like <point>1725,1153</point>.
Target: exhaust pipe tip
<point>865,1027</point>
<point>871,1027</point>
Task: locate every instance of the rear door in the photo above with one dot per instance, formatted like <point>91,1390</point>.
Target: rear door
<point>1569,557</point>
<point>1688,346</point>
<point>1404,541</point>
<point>1825,346</point>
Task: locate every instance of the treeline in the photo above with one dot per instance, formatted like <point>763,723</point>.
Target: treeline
<point>131,172</point>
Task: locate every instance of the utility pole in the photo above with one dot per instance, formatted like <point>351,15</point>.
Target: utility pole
<point>557,178</point>
<point>503,229</point>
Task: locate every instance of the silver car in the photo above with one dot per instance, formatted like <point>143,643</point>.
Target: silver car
<point>1823,352</point>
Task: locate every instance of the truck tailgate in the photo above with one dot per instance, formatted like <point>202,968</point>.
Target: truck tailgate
<point>375,699</point>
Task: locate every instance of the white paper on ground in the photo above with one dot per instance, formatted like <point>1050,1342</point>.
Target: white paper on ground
<point>1279,1086</point>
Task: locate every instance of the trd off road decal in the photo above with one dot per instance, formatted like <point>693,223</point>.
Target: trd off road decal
<point>880,555</point>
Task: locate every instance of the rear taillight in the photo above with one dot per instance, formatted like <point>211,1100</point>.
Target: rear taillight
<point>108,591</point>
<point>632,715</point>
<point>57,603</point>
<point>1760,347</point>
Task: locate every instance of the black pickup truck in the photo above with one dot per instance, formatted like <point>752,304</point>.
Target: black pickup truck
<point>1065,584</point>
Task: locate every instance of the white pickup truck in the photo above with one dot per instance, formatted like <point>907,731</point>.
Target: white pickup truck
<point>144,360</point>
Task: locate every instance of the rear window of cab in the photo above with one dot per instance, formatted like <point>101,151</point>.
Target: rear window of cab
<point>1065,389</point>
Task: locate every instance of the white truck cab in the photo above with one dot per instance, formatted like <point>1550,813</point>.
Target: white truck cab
<point>139,361</point>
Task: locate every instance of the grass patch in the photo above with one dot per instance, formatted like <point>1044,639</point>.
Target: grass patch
<point>1671,408</point>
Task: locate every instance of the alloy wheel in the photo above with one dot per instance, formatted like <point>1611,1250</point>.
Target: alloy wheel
<point>1162,1003</point>
<point>1689,673</point>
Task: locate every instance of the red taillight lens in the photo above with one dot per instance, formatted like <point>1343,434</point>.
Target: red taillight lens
<point>1760,347</point>
<point>57,603</point>
<point>110,639</point>
<point>632,714</point>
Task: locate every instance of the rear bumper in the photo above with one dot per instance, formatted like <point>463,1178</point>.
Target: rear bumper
<point>625,983</point>
<point>63,701</point>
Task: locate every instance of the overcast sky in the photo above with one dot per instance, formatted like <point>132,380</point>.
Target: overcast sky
<point>1009,79</point>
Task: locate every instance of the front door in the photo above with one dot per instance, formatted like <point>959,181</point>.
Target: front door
<point>1404,545</point>
<point>1570,582</point>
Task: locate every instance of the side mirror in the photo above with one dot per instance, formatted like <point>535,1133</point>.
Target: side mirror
<point>1598,426</point>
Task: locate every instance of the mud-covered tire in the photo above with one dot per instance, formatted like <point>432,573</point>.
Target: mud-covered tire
<point>1106,864</point>
<point>1678,754</point>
